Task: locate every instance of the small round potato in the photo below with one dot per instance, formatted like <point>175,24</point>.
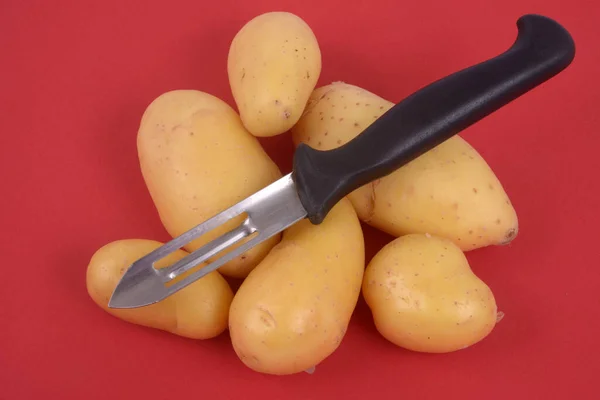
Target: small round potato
<point>198,311</point>
<point>197,160</point>
<point>293,310</point>
<point>273,65</point>
<point>424,296</point>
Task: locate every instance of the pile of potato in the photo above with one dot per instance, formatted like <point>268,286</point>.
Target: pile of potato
<point>199,156</point>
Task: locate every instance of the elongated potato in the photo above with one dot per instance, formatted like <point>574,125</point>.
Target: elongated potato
<point>425,297</point>
<point>293,309</point>
<point>273,65</point>
<point>197,160</point>
<point>199,311</point>
<point>449,191</point>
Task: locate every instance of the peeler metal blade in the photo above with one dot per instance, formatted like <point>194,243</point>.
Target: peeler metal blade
<point>268,212</point>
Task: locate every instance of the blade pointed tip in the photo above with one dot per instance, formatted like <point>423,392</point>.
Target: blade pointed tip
<point>123,302</point>
<point>132,292</point>
<point>118,300</point>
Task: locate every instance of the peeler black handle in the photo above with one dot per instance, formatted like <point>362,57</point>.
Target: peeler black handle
<point>430,116</point>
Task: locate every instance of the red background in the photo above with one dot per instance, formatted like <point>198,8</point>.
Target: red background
<point>75,79</point>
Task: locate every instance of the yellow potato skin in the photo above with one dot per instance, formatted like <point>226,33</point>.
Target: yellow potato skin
<point>197,159</point>
<point>450,191</point>
<point>293,310</point>
<point>199,311</point>
<point>424,296</point>
<point>273,65</point>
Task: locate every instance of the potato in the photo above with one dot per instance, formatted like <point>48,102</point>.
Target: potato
<point>273,65</point>
<point>198,311</point>
<point>425,297</point>
<point>450,191</point>
<point>293,309</point>
<point>197,160</point>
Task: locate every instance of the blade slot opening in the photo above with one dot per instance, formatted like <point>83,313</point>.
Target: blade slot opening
<point>210,249</point>
<point>200,271</point>
<point>236,212</point>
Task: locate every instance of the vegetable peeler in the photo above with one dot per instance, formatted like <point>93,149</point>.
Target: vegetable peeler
<point>425,119</point>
